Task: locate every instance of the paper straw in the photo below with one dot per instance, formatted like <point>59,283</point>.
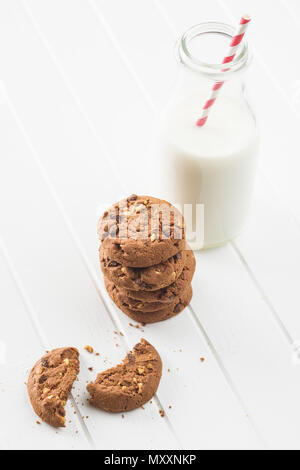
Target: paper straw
<point>235,42</point>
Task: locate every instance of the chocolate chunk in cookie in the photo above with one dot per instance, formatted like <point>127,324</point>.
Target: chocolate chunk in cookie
<point>148,279</point>
<point>50,383</point>
<point>141,231</point>
<point>128,385</point>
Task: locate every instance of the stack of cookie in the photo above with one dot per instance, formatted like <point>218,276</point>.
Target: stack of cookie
<point>147,265</point>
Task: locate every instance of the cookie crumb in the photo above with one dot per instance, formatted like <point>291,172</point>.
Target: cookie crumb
<point>121,334</point>
<point>38,422</point>
<point>97,354</point>
<point>123,416</point>
<point>117,345</point>
<point>89,349</point>
<point>91,369</point>
<point>170,406</point>
<point>162,413</point>
<point>202,359</point>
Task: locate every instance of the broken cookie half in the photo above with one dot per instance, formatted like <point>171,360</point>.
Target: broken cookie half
<point>50,384</point>
<point>128,385</point>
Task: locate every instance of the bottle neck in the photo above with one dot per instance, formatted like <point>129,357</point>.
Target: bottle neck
<point>200,56</point>
<point>190,82</point>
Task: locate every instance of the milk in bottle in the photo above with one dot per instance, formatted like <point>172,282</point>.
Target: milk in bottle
<point>213,165</point>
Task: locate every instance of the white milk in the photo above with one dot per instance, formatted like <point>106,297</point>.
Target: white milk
<point>213,165</point>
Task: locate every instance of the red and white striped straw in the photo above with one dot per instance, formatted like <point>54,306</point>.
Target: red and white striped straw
<point>235,42</point>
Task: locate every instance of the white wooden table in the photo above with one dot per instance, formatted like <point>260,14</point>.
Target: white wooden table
<point>82,85</point>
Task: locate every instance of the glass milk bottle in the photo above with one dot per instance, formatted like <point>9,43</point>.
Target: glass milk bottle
<point>213,166</point>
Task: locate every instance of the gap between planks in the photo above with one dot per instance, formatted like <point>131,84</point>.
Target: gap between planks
<point>72,92</point>
<point>291,11</point>
<point>214,352</point>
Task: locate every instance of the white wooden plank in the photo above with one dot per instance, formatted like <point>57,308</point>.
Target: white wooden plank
<point>252,346</point>
<point>181,16</point>
<point>99,78</point>
<point>270,247</point>
<point>21,347</point>
<point>230,421</point>
<point>148,52</point>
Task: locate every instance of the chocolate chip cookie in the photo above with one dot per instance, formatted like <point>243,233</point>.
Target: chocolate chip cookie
<point>128,385</point>
<point>141,231</point>
<point>168,311</point>
<point>148,279</point>
<point>50,383</point>
<point>168,294</point>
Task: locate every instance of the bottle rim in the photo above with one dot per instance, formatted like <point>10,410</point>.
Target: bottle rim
<point>211,70</point>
